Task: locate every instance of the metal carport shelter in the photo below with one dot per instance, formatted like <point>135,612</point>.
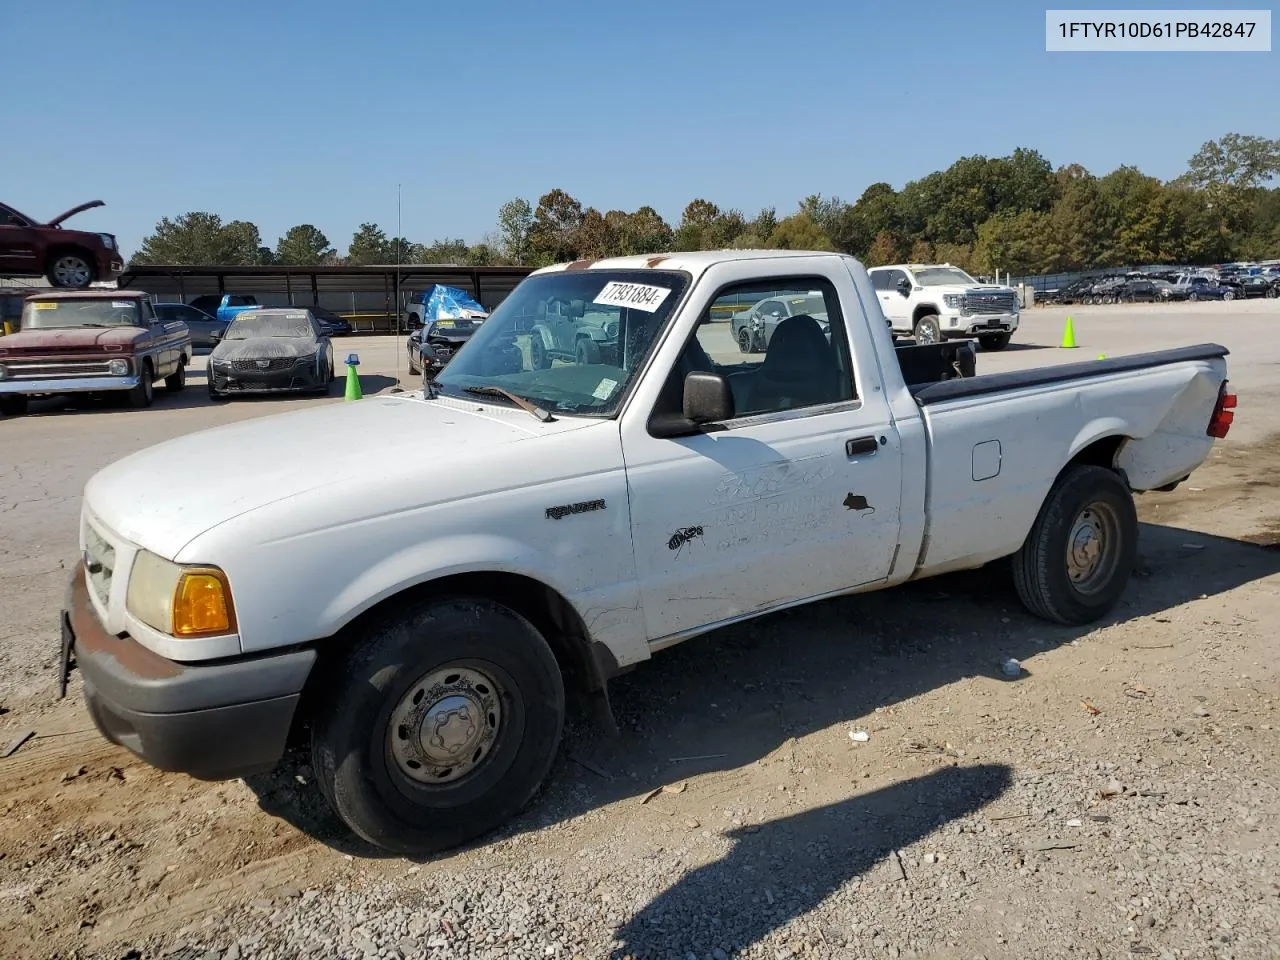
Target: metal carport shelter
<point>368,295</point>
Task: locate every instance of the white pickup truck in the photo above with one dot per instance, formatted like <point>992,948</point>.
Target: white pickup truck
<point>423,601</point>
<point>935,302</point>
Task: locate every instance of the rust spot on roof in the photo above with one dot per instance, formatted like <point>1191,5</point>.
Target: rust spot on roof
<point>580,265</point>
<point>654,261</point>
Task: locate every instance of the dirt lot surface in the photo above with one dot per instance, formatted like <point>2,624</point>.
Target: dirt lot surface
<point>1117,798</point>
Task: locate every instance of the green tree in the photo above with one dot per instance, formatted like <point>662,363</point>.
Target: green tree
<point>1237,160</point>
<point>515,224</point>
<point>201,238</point>
<point>643,231</point>
<point>595,238</point>
<point>445,251</point>
<point>1012,241</point>
<point>369,245</point>
<point>799,232</point>
<point>553,237</point>
<point>886,248</point>
<point>303,245</point>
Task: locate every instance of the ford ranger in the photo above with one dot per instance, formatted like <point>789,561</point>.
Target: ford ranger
<point>939,302</point>
<point>92,342</point>
<point>516,529</point>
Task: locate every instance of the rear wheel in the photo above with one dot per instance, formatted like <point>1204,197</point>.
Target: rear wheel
<point>995,342</point>
<point>745,340</point>
<point>1228,295</point>
<point>422,746</point>
<point>1193,296</point>
<point>928,330</point>
<point>538,358</point>
<point>1077,559</point>
<point>142,395</point>
<point>178,379</point>
<point>13,405</point>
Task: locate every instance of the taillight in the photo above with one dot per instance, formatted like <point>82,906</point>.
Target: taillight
<point>1223,414</point>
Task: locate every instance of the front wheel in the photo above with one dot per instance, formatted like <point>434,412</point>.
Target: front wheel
<point>142,395</point>
<point>440,724</point>
<point>587,352</point>
<point>1273,292</point>
<point>1229,295</point>
<point>995,342</point>
<point>745,339</point>
<point>1076,561</point>
<point>538,358</point>
<point>928,330</point>
<point>13,405</point>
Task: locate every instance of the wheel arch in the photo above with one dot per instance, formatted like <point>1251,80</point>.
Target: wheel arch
<point>586,665</point>
<point>923,310</point>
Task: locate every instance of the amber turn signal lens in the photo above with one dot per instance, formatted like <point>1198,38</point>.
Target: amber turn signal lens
<point>202,605</point>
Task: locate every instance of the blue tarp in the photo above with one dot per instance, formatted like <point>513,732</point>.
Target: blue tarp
<point>450,303</point>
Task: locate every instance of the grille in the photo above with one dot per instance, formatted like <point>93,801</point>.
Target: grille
<point>100,558</point>
<point>49,369</point>
<point>989,303</point>
<point>255,366</point>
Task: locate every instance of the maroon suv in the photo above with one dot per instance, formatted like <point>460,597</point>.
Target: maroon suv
<point>69,258</point>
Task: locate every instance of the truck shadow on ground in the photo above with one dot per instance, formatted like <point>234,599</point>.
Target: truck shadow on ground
<point>734,696</point>
<point>782,869</point>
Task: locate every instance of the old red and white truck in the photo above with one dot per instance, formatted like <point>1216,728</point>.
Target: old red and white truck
<point>517,529</point>
<point>92,342</point>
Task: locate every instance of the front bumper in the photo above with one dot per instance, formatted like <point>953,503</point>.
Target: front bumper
<point>214,721</point>
<point>67,385</point>
<point>296,378</point>
<point>978,326</point>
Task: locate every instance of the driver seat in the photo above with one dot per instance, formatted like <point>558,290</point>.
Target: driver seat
<point>799,370</point>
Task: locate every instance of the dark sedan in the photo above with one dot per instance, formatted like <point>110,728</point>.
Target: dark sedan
<point>432,346</point>
<point>1256,286</point>
<point>273,350</point>
<point>332,324</point>
<point>205,329</point>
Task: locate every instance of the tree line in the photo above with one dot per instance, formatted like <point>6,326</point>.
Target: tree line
<point>1016,213</point>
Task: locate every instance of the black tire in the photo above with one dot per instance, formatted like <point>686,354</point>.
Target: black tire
<point>70,270</point>
<point>995,342</point>
<point>142,395</point>
<point>1273,292</point>
<point>1193,296</point>
<point>927,329</point>
<point>178,379</point>
<point>1228,295</point>
<point>538,358</point>
<point>588,351</point>
<point>1042,567</point>
<point>414,370</point>
<point>368,784</point>
<point>13,405</point>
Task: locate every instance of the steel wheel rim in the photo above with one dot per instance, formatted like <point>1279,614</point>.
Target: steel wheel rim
<point>1093,547</point>
<point>71,270</point>
<point>446,725</point>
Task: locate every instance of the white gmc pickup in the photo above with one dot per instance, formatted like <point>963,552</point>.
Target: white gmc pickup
<point>518,529</point>
<point>941,302</point>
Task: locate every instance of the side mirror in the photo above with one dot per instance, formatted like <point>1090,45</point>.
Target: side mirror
<point>904,287</point>
<point>707,398</point>
<point>215,334</point>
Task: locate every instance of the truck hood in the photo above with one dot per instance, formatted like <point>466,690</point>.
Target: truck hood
<point>165,496</point>
<point>966,288</point>
<point>71,339</point>
<point>73,211</point>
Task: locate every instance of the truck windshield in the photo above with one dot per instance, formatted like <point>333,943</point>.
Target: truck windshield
<point>58,314</point>
<point>942,276</point>
<point>572,342</point>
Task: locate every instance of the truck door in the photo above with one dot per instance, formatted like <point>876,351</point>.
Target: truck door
<point>796,496</point>
<point>895,306</point>
<point>18,243</point>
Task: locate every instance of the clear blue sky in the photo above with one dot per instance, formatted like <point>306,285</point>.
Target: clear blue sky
<point>284,112</point>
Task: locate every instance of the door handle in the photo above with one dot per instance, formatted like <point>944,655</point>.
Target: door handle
<point>861,445</point>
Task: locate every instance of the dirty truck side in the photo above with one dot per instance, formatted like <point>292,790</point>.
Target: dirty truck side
<point>527,527</point>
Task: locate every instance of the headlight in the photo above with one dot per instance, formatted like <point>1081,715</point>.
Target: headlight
<point>118,368</point>
<point>310,358</point>
<point>4,372</point>
<point>181,601</point>
<point>108,240</point>
<point>953,300</point>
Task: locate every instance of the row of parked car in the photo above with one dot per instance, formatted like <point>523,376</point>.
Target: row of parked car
<point>120,343</point>
<point>1149,288</point>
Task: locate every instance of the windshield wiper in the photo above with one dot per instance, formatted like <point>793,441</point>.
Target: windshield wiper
<point>520,402</point>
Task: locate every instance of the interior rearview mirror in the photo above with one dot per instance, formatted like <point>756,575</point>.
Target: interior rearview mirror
<point>707,398</point>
